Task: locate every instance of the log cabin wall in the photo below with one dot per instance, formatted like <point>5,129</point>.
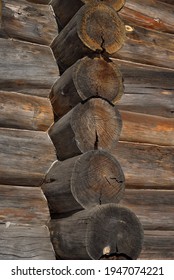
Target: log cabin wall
<point>145,149</point>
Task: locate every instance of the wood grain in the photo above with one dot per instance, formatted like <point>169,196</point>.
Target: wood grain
<point>158,245</point>
<point>154,208</point>
<point>22,242</point>
<point>25,156</point>
<point>146,166</point>
<point>27,68</point>
<point>23,205</point>
<point>25,111</point>
<point>142,128</point>
<point>28,22</point>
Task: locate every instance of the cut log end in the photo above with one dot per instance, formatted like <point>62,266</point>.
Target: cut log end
<point>100,28</point>
<point>96,77</point>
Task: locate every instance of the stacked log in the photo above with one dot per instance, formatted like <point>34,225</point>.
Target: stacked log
<point>86,183</point>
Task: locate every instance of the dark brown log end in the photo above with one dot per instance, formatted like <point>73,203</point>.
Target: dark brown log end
<point>100,28</point>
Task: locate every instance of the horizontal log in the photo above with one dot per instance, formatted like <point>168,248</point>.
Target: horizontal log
<point>22,242</point>
<point>88,77</point>
<point>84,236</point>
<point>148,89</point>
<point>26,21</point>
<point>146,166</point>
<point>144,128</point>
<point>150,14</point>
<point>25,111</point>
<point>167,1</point>
<point>44,2</point>
<point>158,245</point>
<point>147,46</point>
<point>25,157</point>
<point>94,124</point>
<point>27,68</point>
<point>154,208</point>
<point>65,10</point>
<point>92,178</point>
<point>107,34</point>
<point>23,205</point>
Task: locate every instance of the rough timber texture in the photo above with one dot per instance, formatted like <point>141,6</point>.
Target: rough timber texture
<point>25,111</point>
<point>25,156</point>
<point>25,242</point>
<point>28,22</point>
<point>27,68</point>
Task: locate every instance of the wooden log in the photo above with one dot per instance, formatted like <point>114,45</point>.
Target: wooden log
<point>148,47</point>
<point>24,242</point>
<point>150,14</point>
<point>88,77</point>
<point>65,10</point>
<point>28,22</point>
<point>92,178</point>
<point>94,124</point>
<point>25,111</point>
<point>27,68</point>
<point>148,89</point>
<point>158,245</point>
<point>23,205</point>
<point>44,2</point>
<point>120,234</point>
<point>94,28</point>
<point>142,128</point>
<point>146,166</point>
<point>25,156</point>
<point>167,1</point>
<point>154,208</point>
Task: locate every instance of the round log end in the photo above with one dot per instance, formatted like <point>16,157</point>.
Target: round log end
<point>97,77</point>
<point>97,178</point>
<point>114,233</point>
<point>96,125</point>
<point>100,28</point>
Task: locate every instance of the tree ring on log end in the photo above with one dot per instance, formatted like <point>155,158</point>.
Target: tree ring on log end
<point>117,228</point>
<point>97,178</point>
<point>96,125</point>
<point>100,28</point>
<point>97,77</point>
<point>116,4</point>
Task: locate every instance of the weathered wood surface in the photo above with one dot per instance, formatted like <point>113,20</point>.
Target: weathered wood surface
<point>142,128</point>
<point>86,78</point>
<point>83,236</point>
<point>146,166</point>
<point>25,156</point>
<point>25,111</point>
<point>27,68</point>
<point>148,89</point>
<point>23,205</point>
<point>66,9</point>
<point>94,124</point>
<point>22,242</point>
<point>87,180</point>
<point>44,2</point>
<point>154,208</point>
<point>28,22</point>
<point>107,34</point>
<point>158,245</point>
<point>167,1</point>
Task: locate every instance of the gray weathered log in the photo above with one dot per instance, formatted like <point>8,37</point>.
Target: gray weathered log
<point>23,205</point>
<point>94,124</point>
<point>25,242</point>
<point>66,9</point>
<point>154,208</point>
<point>146,166</point>
<point>25,111</point>
<point>92,178</point>
<point>93,234</point>
<point>28,22</point>
<point>88,77</point>
<point>27,68</point>
<point>142,128</point>
<point>94,28</point>
<point>25,156</point>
